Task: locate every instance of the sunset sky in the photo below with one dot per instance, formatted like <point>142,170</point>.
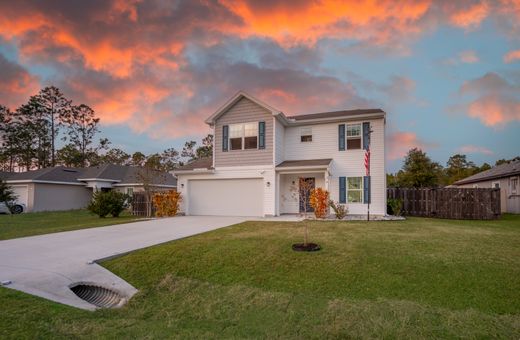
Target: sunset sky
<point>446,72</point>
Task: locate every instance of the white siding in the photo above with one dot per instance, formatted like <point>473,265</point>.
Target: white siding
<point>279,142</point>
<point>348,163</point>
<point>266,173</point>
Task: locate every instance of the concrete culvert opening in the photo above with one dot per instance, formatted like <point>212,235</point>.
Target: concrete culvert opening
<point>98,296</point>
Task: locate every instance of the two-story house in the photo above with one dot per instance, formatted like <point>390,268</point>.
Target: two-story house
<point>260,157</point>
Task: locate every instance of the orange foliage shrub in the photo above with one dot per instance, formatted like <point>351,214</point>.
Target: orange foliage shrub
<point>319,201</point>
<point>166,203</point>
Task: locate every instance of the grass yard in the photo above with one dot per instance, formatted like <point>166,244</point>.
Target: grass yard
<point>13,226</point>
<point>420,278</point>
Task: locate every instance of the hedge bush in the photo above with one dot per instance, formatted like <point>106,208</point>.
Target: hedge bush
<point>108,202</point>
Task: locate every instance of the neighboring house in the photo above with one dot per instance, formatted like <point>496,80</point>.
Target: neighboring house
<point>260,155</point>
<point>61,188</point>
<point>506,177</point>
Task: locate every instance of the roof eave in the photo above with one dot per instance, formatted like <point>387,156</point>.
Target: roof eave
<point>488,178</point>
<point>293,122</point>
<point>193,171</point>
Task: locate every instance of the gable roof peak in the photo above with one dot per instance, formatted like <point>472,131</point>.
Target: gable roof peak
<point>238,96</point>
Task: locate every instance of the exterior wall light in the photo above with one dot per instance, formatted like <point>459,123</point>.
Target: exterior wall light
<point>268,184</point>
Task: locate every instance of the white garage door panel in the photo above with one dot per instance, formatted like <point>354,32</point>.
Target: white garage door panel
<point>22,193</point>
<point>226,197</point>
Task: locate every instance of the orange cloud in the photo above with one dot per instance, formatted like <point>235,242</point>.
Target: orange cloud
<point>512,56</point>
<point>399,143</point>
<point>291,24</point>
<point>471,17</point>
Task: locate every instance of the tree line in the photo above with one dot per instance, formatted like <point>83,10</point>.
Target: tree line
<point>420,171</point>
<point>51,130</point>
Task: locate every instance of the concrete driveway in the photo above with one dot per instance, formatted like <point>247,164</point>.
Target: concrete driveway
<point>48,265</point>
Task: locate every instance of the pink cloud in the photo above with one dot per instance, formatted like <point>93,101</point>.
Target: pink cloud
<point>469,57</point>
<point>497,101</point>
<point>399,143</point>
<point>475,149</point>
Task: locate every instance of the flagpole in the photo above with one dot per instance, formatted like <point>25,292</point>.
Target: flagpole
<point>368,173</point>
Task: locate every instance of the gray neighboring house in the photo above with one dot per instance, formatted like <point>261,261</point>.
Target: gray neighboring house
<point>62,188</point>
<point>505,177</point>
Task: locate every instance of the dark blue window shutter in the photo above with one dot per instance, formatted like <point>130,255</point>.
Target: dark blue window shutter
<point>366,189</point>
<point>341,137</point>
<point>342,190</point>
<point>261,135</point>
<point>225,137</point>
<point>366,135</point>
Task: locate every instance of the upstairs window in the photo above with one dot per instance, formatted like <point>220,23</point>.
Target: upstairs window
<point>235,136</point>
<point>353,136</point>
<point>306,134</point>
<point>243,136</point>
<point>251,136</point>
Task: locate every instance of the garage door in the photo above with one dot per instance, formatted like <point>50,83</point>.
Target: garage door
<point>22,193</point>
<point>226,197</point>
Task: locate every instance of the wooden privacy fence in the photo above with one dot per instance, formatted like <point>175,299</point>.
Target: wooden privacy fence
<point>457,203</point>
<point>141,204</point>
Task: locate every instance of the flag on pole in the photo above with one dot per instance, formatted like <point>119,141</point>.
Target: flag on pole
<point>367,160</point>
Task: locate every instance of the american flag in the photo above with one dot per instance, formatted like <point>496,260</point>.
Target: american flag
<point>367,160</point>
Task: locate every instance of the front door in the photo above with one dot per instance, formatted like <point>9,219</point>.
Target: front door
<point>306,185</point>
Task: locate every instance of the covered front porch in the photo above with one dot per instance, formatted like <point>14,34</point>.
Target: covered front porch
<point>293,177</point>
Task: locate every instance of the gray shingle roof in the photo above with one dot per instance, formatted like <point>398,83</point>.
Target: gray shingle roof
<point>56,174</point>
<point>499,171</point>
<point>335,114</point>
<point>201,163</point>
<point>121,174</point>
<point>305,162</point>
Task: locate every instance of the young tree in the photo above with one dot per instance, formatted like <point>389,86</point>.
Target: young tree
<point>55,107</point>
<point>82,127</point>
<point>301,191</point>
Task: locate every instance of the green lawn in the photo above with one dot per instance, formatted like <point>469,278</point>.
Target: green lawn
<point>13,226</point>
<point>420,278</point>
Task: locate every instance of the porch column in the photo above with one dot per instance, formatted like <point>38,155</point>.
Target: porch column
<point>277,194</point>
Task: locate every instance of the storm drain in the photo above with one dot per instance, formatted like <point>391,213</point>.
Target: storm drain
<point>98,296</point>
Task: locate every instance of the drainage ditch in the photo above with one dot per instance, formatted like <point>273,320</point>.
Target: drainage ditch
<point>98,296</point>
